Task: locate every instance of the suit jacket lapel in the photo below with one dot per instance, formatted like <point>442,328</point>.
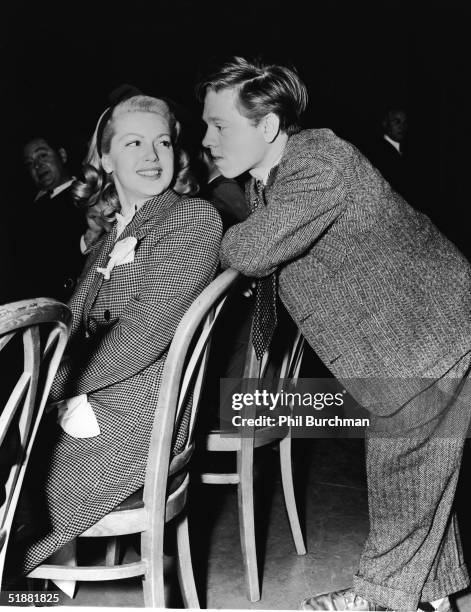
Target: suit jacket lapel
<point>144,219</point>
<point>139,226</point>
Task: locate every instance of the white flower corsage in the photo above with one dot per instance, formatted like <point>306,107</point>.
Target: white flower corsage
<point>122,253</point>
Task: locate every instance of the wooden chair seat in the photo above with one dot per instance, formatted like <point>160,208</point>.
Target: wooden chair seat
<point>175,479</point>
<point>224,440</point>
<point>133,502</point>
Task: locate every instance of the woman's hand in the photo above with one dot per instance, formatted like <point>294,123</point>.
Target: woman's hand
<point>100,219</point>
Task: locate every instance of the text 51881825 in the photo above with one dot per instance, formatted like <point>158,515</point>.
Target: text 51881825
<point>25,598</point>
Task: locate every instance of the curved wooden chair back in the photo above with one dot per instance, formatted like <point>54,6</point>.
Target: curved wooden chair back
<point>179,397</point>
<point>24,407</point>
<point>166,478</point>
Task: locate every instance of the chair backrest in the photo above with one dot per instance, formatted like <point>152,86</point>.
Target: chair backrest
<point>290,351</point>
<point>38,331</point>
<point>291,358</point>
<point>180,389</point>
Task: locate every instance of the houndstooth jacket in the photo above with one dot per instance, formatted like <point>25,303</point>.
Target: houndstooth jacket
<point>376,289</point>
<point>122,328</point>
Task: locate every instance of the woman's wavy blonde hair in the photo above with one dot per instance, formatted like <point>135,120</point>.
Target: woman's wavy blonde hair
<point>96,186</point>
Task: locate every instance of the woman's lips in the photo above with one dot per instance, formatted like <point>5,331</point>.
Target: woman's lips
<point>150,173</point>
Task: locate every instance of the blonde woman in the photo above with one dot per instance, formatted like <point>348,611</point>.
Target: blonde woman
<point>138,282</point>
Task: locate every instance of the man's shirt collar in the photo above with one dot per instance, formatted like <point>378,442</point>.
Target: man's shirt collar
<point>59,189</point>
<point>262,174</point>
<point>394,143</point>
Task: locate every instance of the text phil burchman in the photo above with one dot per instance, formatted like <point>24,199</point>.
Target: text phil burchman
<point>297,421</point>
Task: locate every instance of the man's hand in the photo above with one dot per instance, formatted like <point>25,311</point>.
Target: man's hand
<point>249,291</point>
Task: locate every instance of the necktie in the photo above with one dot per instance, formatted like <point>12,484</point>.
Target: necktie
<point>264,317</point>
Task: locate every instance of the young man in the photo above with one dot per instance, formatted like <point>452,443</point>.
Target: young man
<point>382,297</point>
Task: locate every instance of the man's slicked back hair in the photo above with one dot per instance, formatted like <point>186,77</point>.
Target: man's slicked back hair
<point>262,88</point>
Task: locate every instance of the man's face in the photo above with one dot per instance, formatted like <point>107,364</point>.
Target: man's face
<point>236,145</point>
<point>44,164</point>
<point>396,125</point>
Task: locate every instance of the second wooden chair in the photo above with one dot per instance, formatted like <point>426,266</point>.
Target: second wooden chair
<point>218,440</point>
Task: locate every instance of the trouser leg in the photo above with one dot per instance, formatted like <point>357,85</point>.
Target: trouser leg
<point>448,573</point>
<point>413,551</point>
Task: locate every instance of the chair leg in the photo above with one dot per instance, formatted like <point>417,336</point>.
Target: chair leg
<point>67,555</point>
<point>152,550</point>
<point>112,551</point>
<point>247,517</point>
<point>288,492</point>
<point>185,567</point>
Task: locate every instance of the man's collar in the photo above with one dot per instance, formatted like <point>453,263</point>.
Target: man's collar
<point>394,143</point>
<point>262,173</point>
<point>59,189</point>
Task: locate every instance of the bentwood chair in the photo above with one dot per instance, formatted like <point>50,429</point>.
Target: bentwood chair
<point>24,346</point>
<point>221,440</point>
<point>164,495</point>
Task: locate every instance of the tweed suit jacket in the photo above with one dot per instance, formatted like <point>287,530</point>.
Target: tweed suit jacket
<point>376,289</point>
<point>122,329</point>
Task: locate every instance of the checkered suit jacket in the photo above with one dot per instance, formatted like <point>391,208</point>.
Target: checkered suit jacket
<point>122,328</point>
<point>376,289</point>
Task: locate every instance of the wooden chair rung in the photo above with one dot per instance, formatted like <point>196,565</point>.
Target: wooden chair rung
<point>89,573</point>
<point>219,478</point>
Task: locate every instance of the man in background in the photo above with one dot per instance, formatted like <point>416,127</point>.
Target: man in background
<point>49,256</point>
<point>387,153</point>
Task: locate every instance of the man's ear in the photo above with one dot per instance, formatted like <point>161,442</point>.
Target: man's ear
<point>270,127</point>
<point>63,155</point>
<point>106,163</point>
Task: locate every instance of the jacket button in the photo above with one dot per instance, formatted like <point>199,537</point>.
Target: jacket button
<point>107,315</point>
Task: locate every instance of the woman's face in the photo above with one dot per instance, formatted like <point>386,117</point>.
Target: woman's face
<point>141,156</point>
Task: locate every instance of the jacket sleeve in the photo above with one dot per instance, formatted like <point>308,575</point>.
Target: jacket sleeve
<point>300,208</point>
<point>181,264</point>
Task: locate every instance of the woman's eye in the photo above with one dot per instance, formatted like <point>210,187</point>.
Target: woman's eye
<point>133,143</point>
<point>166,143</point>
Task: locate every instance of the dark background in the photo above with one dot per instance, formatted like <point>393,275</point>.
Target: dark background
<point>60,60</point>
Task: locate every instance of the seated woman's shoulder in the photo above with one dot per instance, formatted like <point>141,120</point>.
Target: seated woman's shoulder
<point>199,210</point>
